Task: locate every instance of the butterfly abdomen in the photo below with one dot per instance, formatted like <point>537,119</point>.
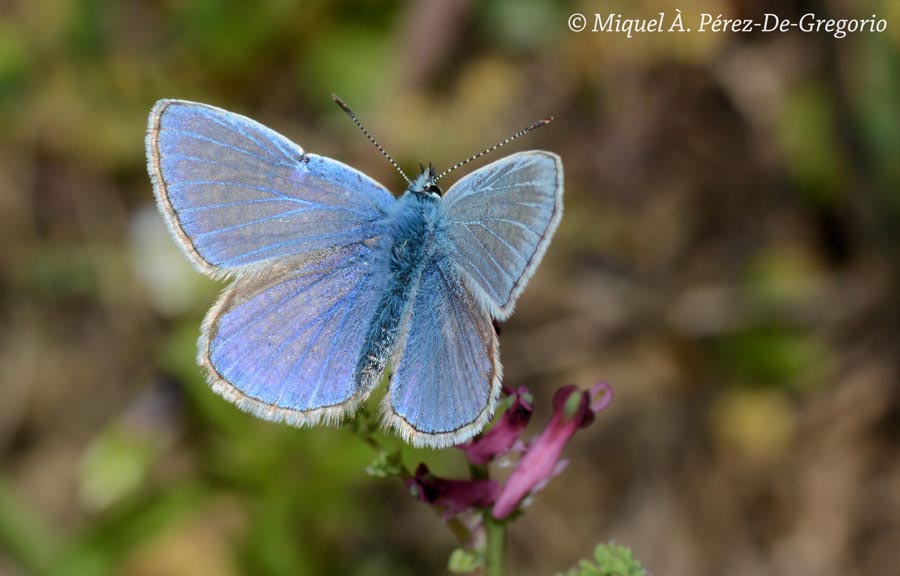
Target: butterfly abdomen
<point>411,236</point>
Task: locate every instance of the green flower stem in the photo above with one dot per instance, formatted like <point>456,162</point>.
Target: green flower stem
<point>495,549</point>
<point>494,530</point>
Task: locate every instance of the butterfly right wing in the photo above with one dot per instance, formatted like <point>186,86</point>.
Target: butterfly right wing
<point>237,195</point>
<point>493,228</point>
<point>497,222</point>
<point>285,346</point>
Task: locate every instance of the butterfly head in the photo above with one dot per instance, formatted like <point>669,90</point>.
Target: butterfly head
<point>426,182</point>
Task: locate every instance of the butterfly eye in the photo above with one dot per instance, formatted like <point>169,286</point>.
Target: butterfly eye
<point>433,189</point>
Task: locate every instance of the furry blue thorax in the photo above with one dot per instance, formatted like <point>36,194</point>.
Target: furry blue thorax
<point>412,227</point>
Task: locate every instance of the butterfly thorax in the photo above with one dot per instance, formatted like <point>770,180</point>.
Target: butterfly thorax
<point>411,225</point>
<point>410,244</point>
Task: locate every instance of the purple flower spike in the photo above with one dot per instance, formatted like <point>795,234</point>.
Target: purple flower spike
<point>572,409</point>
<point>454,496</point>
<point>503,436</point>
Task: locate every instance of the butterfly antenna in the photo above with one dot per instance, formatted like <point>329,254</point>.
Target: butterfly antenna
<point>518,134</point>
<point>359,125</point>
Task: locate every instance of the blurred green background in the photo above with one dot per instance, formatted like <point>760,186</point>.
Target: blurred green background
<point>727,260</point>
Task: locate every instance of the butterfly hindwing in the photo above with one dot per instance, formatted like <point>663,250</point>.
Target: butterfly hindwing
<point>497,222</point>
<point>284,346</point>
<point>447,378</point>
<point>236,194</point>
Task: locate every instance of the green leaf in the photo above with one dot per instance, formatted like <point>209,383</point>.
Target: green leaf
<point>385,465</point>
<point>463,561</point>
<point>609,560</point>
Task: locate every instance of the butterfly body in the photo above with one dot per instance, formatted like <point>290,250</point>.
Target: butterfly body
<point>409,242</point>
<point>334,279</point>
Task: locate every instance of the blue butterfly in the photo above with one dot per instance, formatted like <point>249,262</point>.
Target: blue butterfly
<point>335,279</point>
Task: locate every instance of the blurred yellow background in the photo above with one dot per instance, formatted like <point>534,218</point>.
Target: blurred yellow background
<point>727,260</point>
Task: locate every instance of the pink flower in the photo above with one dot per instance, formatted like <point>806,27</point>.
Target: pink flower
<point>573,409</point>
<point>454,496</point>
<point>503,436</point>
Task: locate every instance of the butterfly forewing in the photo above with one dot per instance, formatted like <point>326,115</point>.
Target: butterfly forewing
<point>498,221</point>
<point>236,194</point>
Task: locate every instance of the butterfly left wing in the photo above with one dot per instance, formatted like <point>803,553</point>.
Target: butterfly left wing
<point>447,380</point>
<point>285,345</point>
<point>497,222</point>
<point>237,195</point>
